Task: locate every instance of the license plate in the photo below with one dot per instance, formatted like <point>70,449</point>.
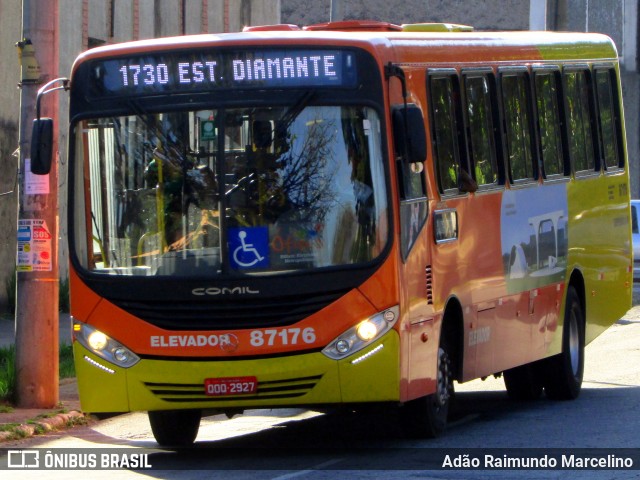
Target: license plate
<point>219,387</point>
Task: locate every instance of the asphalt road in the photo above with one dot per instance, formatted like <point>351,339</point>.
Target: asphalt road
<point>305,444</point>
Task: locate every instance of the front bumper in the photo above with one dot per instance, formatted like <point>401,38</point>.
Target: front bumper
<point>370,375</point>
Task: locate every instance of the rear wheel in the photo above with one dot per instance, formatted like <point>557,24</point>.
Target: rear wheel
<point>563,379</point>
<point>426,417</point>
<point>176,428</point>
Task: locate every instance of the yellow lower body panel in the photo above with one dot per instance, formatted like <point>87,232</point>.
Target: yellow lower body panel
<point>370,375</point>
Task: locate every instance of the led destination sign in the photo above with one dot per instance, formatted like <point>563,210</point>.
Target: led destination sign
<point>167,73</point>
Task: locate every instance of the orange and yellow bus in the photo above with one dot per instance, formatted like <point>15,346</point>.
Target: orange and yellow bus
<point>349,213</point>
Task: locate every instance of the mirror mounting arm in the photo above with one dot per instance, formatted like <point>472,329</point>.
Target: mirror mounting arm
<point>408,123</point>
<point>391,70</point>
<point>45,90</point>
<point>42,131</point>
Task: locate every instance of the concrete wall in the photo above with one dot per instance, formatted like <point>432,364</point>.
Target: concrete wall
<point>484,14</point>
<point>9,109</point>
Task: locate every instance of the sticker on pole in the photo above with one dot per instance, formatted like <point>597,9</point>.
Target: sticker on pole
<point>34,246</point>
<point>34,184</point>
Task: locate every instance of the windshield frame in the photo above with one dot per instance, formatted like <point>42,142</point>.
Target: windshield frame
<point>369,94</point>
<point>301,187</point>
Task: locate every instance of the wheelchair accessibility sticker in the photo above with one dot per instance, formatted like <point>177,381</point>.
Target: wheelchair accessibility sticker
<point>249,247</point>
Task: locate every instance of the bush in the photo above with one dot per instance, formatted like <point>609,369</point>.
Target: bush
<point>67,368</point>
<point>7,373</point>
<point>63,296</point>
<point>8,370</point>
<point>10,286</point>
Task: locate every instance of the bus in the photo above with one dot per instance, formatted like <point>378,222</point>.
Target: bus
<point>348,214</point>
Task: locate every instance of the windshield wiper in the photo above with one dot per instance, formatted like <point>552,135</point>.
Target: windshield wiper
<point>294,110</point>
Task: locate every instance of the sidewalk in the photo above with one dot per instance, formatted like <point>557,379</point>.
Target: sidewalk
<point>25,422</point>
<point>8,329</point>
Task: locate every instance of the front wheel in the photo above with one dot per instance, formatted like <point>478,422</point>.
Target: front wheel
<point>426,417</point>
<point>176,428</point>
<point>563,379</point>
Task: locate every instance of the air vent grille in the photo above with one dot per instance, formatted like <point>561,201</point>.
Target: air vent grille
<point>429,278</point>
<point>229,314</point>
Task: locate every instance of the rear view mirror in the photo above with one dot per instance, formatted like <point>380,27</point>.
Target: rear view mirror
<point>41,146</point>
<point>408,130</point>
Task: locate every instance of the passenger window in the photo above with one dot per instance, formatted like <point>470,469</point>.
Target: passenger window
<point>444,96</point>
<point>634,219</point>
<point>549,126</point>
<point>480,133</point>
<point>579,130</point>
<point>517,120</point>
<point>608,118</point>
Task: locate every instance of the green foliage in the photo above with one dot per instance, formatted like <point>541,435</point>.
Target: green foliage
<point>8,427</point>
<point>10,287</point>
<point>67,368</point>
<point>63,295</point>
<point>8,374</point>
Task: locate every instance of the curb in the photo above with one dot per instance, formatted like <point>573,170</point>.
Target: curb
<point>39,426</point>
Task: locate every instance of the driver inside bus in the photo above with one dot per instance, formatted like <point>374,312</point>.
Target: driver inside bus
<point>181,183</point>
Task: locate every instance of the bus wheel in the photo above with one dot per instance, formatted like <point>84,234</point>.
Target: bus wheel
<point>563,379</point>
<point>426,417</point>
<point>523,383</point>
<point>176,428</point>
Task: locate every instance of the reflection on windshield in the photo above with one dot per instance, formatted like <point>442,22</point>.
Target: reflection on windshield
<point>236,190</point>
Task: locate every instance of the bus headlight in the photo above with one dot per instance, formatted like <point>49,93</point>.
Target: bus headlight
<point>367,330</point>
<point>104,346</point>
<point>97,341</point>
<point>363,334</point>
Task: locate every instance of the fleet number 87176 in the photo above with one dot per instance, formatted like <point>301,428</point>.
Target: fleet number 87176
<point>282,336</point>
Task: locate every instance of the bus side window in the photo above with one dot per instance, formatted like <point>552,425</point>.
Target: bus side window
<point>517,126</point>
<point>548,122</point>
<point>579,117</point>
<point>444,96</point>
<point>609,117</point>
<point>479,112</point>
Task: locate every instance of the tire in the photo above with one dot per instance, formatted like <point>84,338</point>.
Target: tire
<point>563,378</point>
<point>523,383</point>
<point>426,417</point>
<point>175,428</point>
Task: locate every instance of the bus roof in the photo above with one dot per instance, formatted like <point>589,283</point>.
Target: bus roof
<point>446,42</point>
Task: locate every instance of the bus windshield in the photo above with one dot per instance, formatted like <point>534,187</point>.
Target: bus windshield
<point>230,191</point>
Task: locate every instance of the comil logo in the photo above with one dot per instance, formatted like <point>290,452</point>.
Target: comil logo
<point>224,291</point>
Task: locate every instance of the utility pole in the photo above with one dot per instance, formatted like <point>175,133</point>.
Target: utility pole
<point>537,15</point>
<point>37,316</point>
<point>337,11</point>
